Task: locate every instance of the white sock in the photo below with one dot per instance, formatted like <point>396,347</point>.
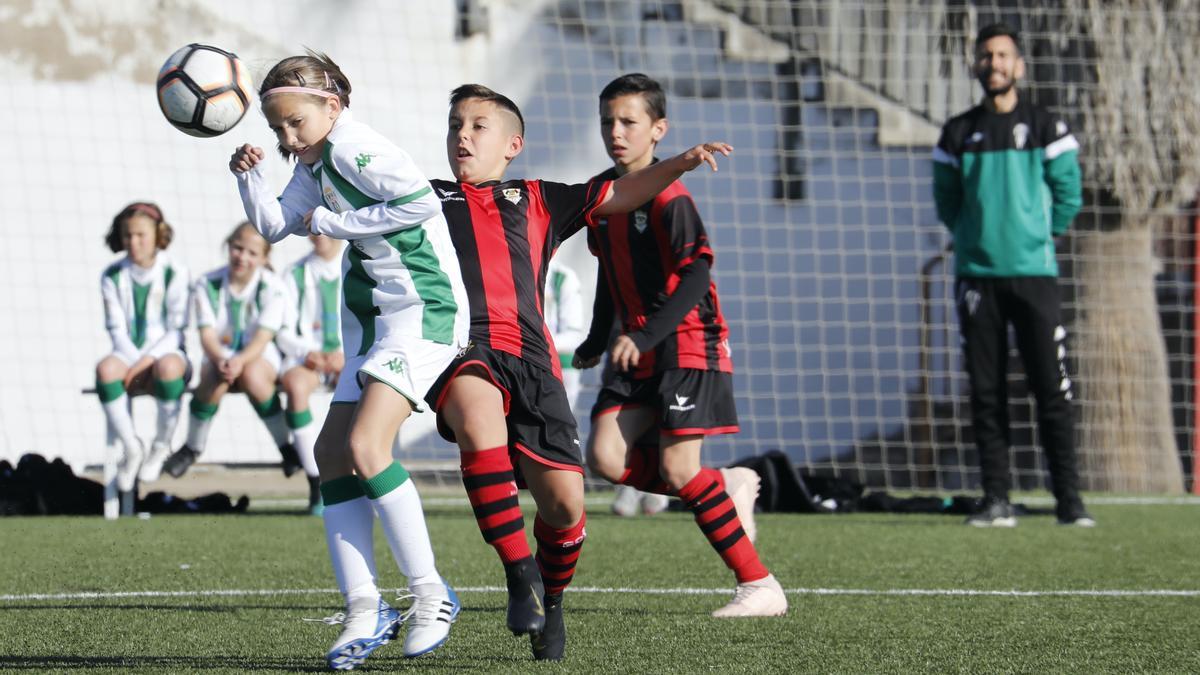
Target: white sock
<point>197,438</point>
<point>117,413</point>
<point>403,523</point>
<point>168,419</point>
<point>305,440</point>
<point>349,535</point>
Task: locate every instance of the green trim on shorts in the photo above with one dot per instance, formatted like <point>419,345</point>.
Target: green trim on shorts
<point>296,420</point>
<point>413,403</point>
<point>201,410</point>
<point>385,481</point>
<point>565,359</point>
<point>169,390</point>
<point>267,408</point>
<point>110,391</point>
<point>338,490</point>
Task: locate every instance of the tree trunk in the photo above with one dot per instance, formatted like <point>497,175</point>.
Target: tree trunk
<point>1127,435</point>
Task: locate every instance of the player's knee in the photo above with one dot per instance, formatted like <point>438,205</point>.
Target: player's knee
<point>169,368</point>
<point>365,451</point>
<point>109,369</point>
<point>605,463</point>
<point>677,474</point>
<point>561,511</point>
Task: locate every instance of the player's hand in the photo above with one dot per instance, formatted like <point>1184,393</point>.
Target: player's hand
<point>314,361</point>
<point>625,355</point>
<point>705,153</point>
<point>334,362</point>
<point>245,158</point>
<point>308,222</point>
<point>137,371</point>
<point>232,367</point>
<point>580,363</point>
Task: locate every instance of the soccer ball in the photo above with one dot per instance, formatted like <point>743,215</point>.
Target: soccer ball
<point>203,91</point>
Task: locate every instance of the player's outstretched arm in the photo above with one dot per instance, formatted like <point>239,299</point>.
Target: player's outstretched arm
<point>274,218</point>
<point>634,189</point>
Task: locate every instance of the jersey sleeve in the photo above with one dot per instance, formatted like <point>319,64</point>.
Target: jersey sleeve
<point>571,206</point>
<point>176,314</point>
<point>947,179</point>
<point>386,189</point>
<point>689,241</point>
<point>272,311</point>
<point>1062,174</point>
<point>115,320</point>
<point>277,217</point>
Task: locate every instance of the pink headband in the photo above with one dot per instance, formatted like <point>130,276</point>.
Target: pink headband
<point>299,90</point>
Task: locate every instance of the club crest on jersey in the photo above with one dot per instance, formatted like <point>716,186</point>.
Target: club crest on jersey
<point>331,199</point>
<point>639,221</point>
<point>512,194</point>
<point>1020,135</point>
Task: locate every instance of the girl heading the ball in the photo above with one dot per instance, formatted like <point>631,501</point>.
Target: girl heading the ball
<point>403,320</point>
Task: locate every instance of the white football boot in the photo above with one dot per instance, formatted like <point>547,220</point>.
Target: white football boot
<point>763,597</point>
<point>368,624</point>
<point>434,608</point>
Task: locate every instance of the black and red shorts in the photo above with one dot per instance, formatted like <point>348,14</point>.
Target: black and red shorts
<point>540,422</point>
<point>689,401</point>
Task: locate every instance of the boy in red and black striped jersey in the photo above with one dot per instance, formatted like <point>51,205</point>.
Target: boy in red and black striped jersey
<point>672,358</point>
<point>502,400</point>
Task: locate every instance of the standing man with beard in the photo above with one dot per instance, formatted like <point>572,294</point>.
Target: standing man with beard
<point>1006,181</point>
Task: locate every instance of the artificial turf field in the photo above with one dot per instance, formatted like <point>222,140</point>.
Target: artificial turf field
<point>868,593</point>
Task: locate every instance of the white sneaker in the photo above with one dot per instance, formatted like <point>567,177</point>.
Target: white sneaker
<point>369,624</point>
<point>626,502</point>
<point>152,465</point>
<point>756,598</point>
<point>127,468</point>
<point>741,484</point>
<point>434,608</point>
<point>654,503</point>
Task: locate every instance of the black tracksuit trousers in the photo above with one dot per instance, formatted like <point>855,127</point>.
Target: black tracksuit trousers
<point>986,306</point>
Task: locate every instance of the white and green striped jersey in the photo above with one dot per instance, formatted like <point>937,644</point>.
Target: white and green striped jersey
<point>313,322</point>
<point>563,308</point>
<point>145,309</point>
<point>400,273</point>
<point>237,315</point>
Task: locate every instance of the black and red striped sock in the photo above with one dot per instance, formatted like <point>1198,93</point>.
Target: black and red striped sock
<point>492,489</point>
<point>705,496</point>
<point>641,471</point>
<point>557,552</point>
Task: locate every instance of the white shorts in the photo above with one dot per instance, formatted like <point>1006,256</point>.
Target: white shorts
<point>271,354</point>
<point>408,364</point>
<point>174,352</point>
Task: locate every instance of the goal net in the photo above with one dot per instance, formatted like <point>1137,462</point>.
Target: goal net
<point>831,266</point>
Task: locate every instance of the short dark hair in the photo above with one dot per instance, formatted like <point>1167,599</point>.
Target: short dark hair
<point>482,93</point>
<point>638,83</point>
<point>999,29</point>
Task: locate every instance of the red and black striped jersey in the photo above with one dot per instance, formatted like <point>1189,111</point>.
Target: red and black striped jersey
<point>505,234</point>
<point>641,254</point>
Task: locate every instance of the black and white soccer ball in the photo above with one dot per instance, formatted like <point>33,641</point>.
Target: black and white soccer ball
<point>203,91</point>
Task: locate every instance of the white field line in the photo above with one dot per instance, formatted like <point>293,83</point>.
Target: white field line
<point>606,500</point>
<point>958,592</point>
